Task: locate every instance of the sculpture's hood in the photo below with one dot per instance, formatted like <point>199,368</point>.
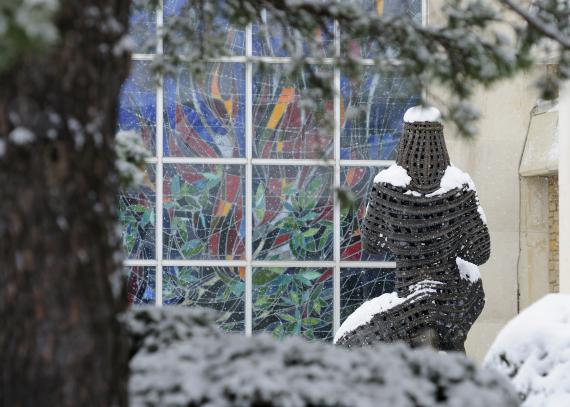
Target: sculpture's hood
<point>422,152</point>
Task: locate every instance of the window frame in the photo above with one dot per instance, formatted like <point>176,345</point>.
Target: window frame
<point>159,160</point>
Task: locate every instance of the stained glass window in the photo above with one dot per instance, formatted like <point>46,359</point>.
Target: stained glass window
<point>205,118</point>
<point>141,285</point>
<point>293,301</point>
<point>292,212</point>
<point>137,215</point>
<point>221,288</point>
<point>239,211</point>
<point>203,212</point>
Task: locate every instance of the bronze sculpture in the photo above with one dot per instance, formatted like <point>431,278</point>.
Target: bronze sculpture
<point>427,213</point>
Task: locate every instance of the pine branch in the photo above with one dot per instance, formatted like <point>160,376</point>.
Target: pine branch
<point>533,21</point>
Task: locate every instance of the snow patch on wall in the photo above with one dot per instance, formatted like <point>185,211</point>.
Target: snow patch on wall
<point>533,350</point>
<point>394,175</point>
<point>468,271</point>
<point>422,114</point>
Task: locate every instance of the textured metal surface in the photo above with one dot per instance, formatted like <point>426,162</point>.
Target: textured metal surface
<point>426,235</point>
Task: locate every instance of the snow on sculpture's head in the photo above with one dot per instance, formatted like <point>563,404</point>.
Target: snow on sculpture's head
<point>422,114</point>
<point>422,151</point>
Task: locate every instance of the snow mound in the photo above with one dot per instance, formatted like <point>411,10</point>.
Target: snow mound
<point>180,358</point>
<point>533,350</point>
<point>468,271</point>
<point>394,175</point>
<point>422,114</point>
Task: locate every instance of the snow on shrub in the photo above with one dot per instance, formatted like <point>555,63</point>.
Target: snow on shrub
<point>131,155</point>
<point>180,358</point>
<point>533,350</point>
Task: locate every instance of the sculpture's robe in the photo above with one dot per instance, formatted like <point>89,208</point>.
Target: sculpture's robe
<point>427,228</point>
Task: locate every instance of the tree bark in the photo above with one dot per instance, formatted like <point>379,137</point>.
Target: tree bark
<point>60,341</point>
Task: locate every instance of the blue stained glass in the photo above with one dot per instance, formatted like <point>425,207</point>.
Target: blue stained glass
<point>268,40</point>
<point>205,118</point>
<point>372,111</point>
<point>219,29</point>
<point>137,103</point>
<point>293,301</point>
<point>142,26</point>
<point>364,47</point>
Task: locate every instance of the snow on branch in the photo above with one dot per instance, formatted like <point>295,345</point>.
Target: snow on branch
<point>131,155</point>
<point>473,44</point>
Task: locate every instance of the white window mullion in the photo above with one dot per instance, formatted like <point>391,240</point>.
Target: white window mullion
<point>248,182</point>
<point>159,167</point>
<point>336,214</point>
<point>314,264</point>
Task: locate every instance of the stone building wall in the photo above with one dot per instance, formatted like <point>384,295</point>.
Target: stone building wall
<point>553,246</point>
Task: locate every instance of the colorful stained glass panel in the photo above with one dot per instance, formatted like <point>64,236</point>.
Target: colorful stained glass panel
<point>187,16</point>
<point>137,215</point>
<point>219,288</point>
<point>364,47</point>
<point>137,104</point>
<point>270,36</point>
<point>205,118</point>
<point>203,214</point>
<point>293,301</point>
<point>142,26</point>
<point>359,181</point>
<point>140,285</point>
<point>286,122</point>
<point>372,111</point>
<point>360,285</point>
<point>292,212</point>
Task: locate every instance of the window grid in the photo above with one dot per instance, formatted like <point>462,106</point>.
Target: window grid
<point>159,160</point>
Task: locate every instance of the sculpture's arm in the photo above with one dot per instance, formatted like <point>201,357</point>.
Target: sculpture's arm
<point>476,244</point>
<point>374,228</point>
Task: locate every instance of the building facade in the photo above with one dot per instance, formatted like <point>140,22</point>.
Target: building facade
<point>240,212</point>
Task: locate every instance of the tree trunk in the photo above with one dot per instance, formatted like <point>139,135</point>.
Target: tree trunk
<point>60,341</point>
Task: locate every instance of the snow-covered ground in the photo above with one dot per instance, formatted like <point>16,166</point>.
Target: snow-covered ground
<point>533,350</point>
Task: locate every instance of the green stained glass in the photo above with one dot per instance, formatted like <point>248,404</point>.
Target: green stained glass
<point>293,301</point>
<point>292,212</point>
<point>219,288</point>
<point>203,214</point>
<point>137,216</point>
